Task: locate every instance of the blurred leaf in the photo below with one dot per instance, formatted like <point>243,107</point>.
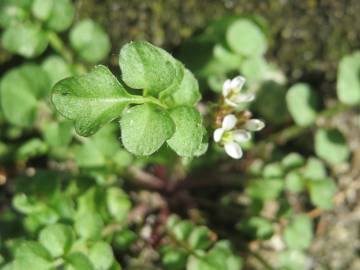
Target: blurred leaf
<point>144,66</point>
<point>292,161</point>
<point>13,12</point>
<point>173,258</point>
<point>189,131</point>
<point>42,9</point>
<point>78,261</point>
<point>348,79</point>
<point>299,232</point>
<point>124,239</point>
<point>91,100</point>
<point>118,204</point>
<point>101,256</point>
<point>273,170</point>
<point>295,182</point>
<point>322,193</point>
<point>57,239</point>
<point>246,38</point>
<point>21,89</point>
<point>61,15</point>
<point>270,103</point>
<point>314,169</point>
<point>219,257</point>
<point>265,189</point>
<point>58,134</point>
<point>254,69</point>
<point>303,104</point>
<point>89,225</point>
<point>331,146</point>
<point>182,229</point>
<point>90,41</point>
<point>257,227</point>
<point>32,256</point>
<point>200,238</point>
<point>56,68</point>
<point>26,39</point>
<point>32,148</point>
<point>144,129</point>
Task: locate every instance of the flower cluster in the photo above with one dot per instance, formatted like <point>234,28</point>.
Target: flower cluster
<point>236,127</point>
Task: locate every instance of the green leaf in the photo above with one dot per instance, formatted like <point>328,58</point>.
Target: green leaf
<point>348,79</point>
<point>91,100</point>
<point>61,15</point>
<point>144,66</point>
<point>57,239</point>
<point>270,103</point>
<point>265,189</point>
<point>78,261</point>
<point>187,93</point>
<point>182,229</point>
<point>292,161</point>
<point>42,9</point>
<point>331,146</point>
<point>27,40</point>
<point>89,225</point>
<point>254,69</point>
<point>124,239</point>
<point>56,68</point>
<point>118,204</point>
<point>299,233</point>
<point>21,89</point>
<point>314,169</point>
<point>246,38</point>
<point>189,131</point>
<point>32,256</point>
<point>58,134</point>
<point>32,148</point>
<point>219,257</point>
<point>200,238</point>
<point>90,41</point>
<point>322,193</point>
<point>101,256</point>
<point>173,258</point>
<point>303,104</point>
<point>257,227</point>
<point>295,182</point>
<point>13,12</point>
<point>273,170</point>
<point>144,129</point>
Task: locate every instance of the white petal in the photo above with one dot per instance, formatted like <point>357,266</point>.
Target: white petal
<point>233,150</point>
<point>246,97</point>
<point>229,122</point>
<point>237,82</point>
<point>231,103</point>
<point>226,88</point>
<point>241,135</point>
<point>218,133</point>
<point>254,125</point>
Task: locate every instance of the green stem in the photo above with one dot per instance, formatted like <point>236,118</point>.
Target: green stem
<point>148,99</point>
<point>58,45</point>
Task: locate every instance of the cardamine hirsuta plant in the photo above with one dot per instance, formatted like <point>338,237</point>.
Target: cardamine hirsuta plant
<point>155,103</point>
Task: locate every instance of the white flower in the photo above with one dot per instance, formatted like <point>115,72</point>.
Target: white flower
<point>232,92</point>
<point>231,137</point>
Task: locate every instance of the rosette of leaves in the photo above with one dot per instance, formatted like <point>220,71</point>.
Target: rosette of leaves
<point>162,113</point>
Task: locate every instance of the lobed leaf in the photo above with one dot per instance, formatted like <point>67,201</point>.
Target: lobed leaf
<point>145,128</point>
<point>91,100</point>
